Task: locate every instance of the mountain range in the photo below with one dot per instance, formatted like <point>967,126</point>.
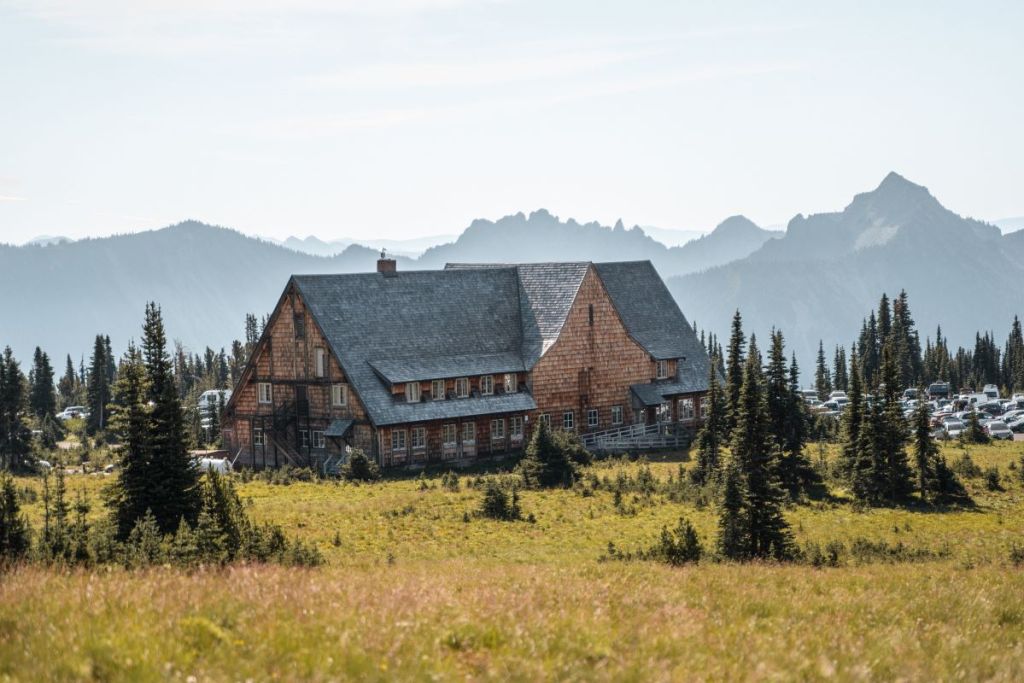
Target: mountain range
<point>815,281</point>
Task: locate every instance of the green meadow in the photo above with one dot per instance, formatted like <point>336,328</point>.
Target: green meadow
<point>418,587</point>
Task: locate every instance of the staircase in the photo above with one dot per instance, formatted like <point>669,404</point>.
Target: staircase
<point>290,454</point>
<point>332,465</point>
<point>637,437</point>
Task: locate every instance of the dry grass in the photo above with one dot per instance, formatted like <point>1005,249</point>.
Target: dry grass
<point>415,592</point>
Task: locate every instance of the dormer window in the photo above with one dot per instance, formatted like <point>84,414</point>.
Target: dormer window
<point>462,387</point>
<point>412,392</point>
<point>437,390</point>
<point>487,385</point>
<point>661,369</point>
<point>320,357</point>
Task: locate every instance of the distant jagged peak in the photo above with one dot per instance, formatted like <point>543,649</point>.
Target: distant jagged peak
<point>895,191</point>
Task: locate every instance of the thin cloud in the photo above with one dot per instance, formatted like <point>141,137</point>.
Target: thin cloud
<point>12,198</point>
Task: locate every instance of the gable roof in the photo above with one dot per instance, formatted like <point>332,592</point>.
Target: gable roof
<point>479,319</point>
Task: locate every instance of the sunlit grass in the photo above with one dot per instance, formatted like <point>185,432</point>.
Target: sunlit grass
<point>413,590</point>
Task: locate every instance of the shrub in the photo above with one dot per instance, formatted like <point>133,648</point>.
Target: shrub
<point>359,467</point>
<point>14,538</point>
<point>827,556</point>
<point>992,481</point>
<point>1017,555</point>
<point>679,546</point>
<point>546,463</point>
<point>450,481</point>
<point>966,467</point>
<point>499,502</point>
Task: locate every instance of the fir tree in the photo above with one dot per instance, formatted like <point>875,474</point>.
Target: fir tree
<point>733,528</point>
<point>15,436</point>
<point>898,477</point>
<point>712,435</point>
<point>822,378</point>
<point>14,533</point>
<point>169,462</point>
<point>853,417</point>
<point>132,492</point>
<point>734,371</point>
<point>98,387</point>
<point>756,454</point>
<point>974,433</point>
<point>545,465</point>
<point>925,452</point>
<point>67,388</point>
<point>42,400</point>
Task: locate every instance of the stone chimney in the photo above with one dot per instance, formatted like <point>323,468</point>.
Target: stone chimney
<point>387,267</point>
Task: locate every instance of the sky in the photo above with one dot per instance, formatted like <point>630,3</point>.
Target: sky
<point>405,118</point>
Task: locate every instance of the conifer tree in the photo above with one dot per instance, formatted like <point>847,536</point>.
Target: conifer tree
<point>712,435</point>
<point>853,417</point>
<point>733,528</point>
<point>15,436</point>
<point>132,493</point>
<point>14,533</point>
<point>734,370</point>
<point>756,455</point>
<point>545,465</point>
<point>974,433</point>
<point>67,388</point>
<point>42,401</point>
<point>169,462</point>
<point>98,387</point>
<point>894,428</point>
<point>822,378</point>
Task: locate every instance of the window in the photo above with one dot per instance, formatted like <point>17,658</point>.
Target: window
<point>257,436</point>
<point>665,412</point>
<point>299,322</point>
<point>662,369</point>
<point>419,438</point>
<point>301,399</point>
<point>497,430</point>
<point>320,358</point>
<point>469,432</point>
<point>590,314</point>
<point>515,428</point>
<point>397,440</point>
<point>487,385</point>
<point>437,390</point>
<point>545,418</point>
<point>592,418</point>
<point>412,392</point>
<point>568,420</point>
<point>511,383</point>
<point>685,409</point>
<point>304,437</point>
<point>462,387</point>
<point>265,392</point>
<point>339,394</point>
<point>318,440</point>
<point>616,415</point>
<point>450,435</point>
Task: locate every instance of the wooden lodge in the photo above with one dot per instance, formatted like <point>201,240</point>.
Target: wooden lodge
<point>458,364</point>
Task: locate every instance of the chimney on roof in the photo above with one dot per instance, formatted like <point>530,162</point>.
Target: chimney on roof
<point>387,267</point>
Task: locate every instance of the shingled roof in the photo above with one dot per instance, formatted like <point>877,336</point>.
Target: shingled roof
<point>478,319</point>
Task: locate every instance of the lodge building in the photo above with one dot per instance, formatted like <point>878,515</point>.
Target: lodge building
<point>457,364</point>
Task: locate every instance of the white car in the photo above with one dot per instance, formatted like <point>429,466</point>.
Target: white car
<point>997,429</point>
<point>954,428</point>
<point>71,412</point>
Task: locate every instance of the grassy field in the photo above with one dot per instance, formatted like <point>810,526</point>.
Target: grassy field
<point>413,590</point>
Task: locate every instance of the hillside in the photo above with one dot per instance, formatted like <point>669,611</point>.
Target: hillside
<point>828,271</point>
<point>207,278</point>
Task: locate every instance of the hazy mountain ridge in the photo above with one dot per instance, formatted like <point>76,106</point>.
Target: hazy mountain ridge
<point>207,278</point>
<point>828,271</point>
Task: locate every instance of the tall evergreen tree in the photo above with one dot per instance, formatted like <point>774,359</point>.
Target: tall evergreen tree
<point>178,496</point>
<point>545,464</point>
<point>14,532</point>
<point>42,400</point>
<point>712,435</point>
<point>734,370</point>
<point>853,417</point>
<point>67,388</point>
<point>897,470</point>
<point>132,492</point>
<point>733,527</point>
<point>868,347</point>
<point>98,387</point>
<point>756,454</point>
<point>15,437</point>
<point>822,378</point>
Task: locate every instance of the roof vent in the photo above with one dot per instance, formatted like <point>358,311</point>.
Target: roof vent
<point>387,267</point>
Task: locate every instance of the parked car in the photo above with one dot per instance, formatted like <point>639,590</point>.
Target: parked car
<point>954,428</point>
<point>838,393</point>
<point>71,412</point>
<point>1016,424</point>
<point>992,391</point>
<point>997,429</point>
<point>938,390</point>
<point>991,407</point>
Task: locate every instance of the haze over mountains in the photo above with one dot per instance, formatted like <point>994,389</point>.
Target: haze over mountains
<point>815,281</point>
